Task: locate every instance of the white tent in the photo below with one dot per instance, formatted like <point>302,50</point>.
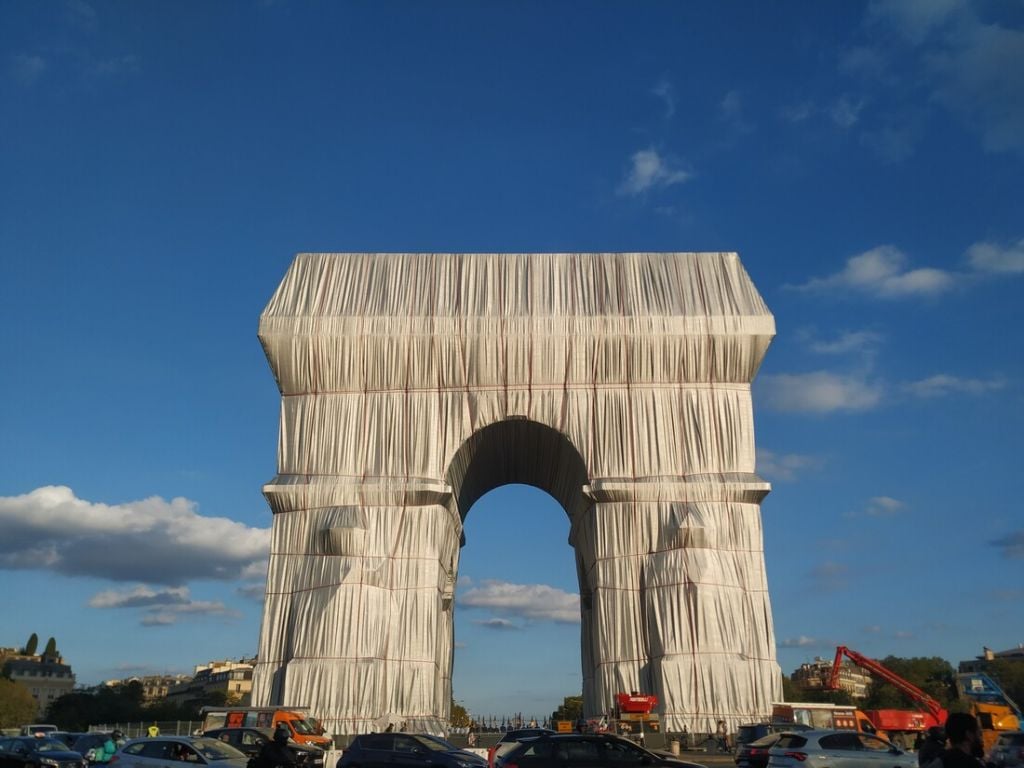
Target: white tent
<point>412,384</point>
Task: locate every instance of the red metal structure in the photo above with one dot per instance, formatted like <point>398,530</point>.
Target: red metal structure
<point>919,697</point>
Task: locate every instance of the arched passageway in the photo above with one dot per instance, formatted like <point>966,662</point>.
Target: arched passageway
<point>413,383</point>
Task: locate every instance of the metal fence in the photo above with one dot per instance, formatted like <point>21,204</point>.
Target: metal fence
<point>138,729</point>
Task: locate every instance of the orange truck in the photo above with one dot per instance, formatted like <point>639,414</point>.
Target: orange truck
<point>823,715</point>
<point>301,727</point>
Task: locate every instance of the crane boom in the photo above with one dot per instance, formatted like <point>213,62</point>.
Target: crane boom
<point>912,691</point>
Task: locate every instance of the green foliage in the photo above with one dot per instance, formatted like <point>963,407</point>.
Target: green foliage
<point>118,704</point>
<point>570,709</point>
<point>51,648</point>
<point>932,675</point>
<point>32,645</point>
<point>1010,677</point>
<point>792,692</point>
<point>16,704</point>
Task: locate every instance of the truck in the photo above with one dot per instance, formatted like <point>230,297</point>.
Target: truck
<point>995,711</point>
<point>301,727</point>
<point>901,726</point>
<point>823,715</point>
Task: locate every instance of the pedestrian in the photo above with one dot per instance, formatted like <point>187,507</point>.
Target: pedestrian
<point>153,731</point>
<point>932,745</point>
<point>276,753</point>
<point>722,734</point>
<point>110,745</point>
<point>966,749</point>
<point>684,737</point>
<point>471,739</point>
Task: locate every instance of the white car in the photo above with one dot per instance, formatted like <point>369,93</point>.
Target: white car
<point>836,749</point>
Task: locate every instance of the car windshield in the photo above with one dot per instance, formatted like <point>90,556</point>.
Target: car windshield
<point>48,745</point>
<point>303,726</point>
<point>434,746</point>
<point>447,746</point>
<point>215,749</point>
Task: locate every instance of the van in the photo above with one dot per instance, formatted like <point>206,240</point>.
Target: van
<point>301,727</point>
<point>32,730</point>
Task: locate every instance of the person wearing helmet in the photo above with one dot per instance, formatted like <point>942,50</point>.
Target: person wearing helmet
<point>276,753</point>
<point>932,747</point>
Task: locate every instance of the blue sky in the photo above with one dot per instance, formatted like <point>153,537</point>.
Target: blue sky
<point>161,163</point>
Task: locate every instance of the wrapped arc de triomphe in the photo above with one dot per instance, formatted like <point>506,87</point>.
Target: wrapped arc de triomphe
<point>412,384</point>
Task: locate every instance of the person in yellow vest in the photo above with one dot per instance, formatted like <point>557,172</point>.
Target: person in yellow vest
<point>153,730</point>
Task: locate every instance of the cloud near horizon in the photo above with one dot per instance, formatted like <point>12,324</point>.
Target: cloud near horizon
<point>784,466</point>
<point>534,602</point>
<point>942,385</point>
<point>152,541</point>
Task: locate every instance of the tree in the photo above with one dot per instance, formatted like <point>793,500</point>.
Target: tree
<point>1010,677</point>
<point>16,704</point>
<point>459,717</point>
<point>570,709</point>
<point>32,645</point>
<point>51,648</point>
<point>932,675</point>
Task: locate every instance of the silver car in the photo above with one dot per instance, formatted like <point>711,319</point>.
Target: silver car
<point>1008,751</point>
<point>836,749</point>
<point>177,752</point>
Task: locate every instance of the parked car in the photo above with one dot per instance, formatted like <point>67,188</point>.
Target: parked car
<point>585,750</point>
<point>754,754</point>
<point>37,752</point>
<point>250,741</point>
<point>509,739</point>
<point>1008,751</point>
<point>65,736</point>
<point>405,750</point>
<point>836,749</point>
<point>172,751</point>
<point>754,731</point>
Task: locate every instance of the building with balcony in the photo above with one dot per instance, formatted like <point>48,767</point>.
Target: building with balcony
<point>231,678</point>
<point>814,676</point>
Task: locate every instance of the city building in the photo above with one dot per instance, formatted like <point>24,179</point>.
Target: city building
<point>983,662</point>
<point>233,679</point>
<point>154,687</point>
<point>814,676</point>
<point>46,676</point>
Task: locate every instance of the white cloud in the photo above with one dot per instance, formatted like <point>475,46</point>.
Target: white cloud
<point>160,606</point>
<point>503,625</point>
<point>649,170</point>
<point>139,596</point>
<point>873,629</point>
<point>1012,545</point>
<point>942,385</point>
<point>152,540</point>
<point>846,342</point>
<point>801,641</point>
<point>915,19</point>
<point>829,576</point>
<point>731,111</point>
<point>883,506</point>
<point>664,91</point>
<point>817,392</point>
<point>797,113</point>
<point>783,466</point>
<point>863,61</point>
<point>538,602</point>
<point>253,591</point>
<point>26,69</point>
<point>881,272</point>
<point>902,634</point>
<point>846,111</point>
<point>992,257</point>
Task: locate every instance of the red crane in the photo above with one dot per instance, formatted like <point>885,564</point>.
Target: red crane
<point>919,697</point>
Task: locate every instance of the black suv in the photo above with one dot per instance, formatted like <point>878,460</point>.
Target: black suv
<point>586,750</point>
<point>405,750</point>
<point>250,741</point>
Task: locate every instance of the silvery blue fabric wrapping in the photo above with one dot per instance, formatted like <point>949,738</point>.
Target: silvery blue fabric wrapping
<point>412,384</point>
